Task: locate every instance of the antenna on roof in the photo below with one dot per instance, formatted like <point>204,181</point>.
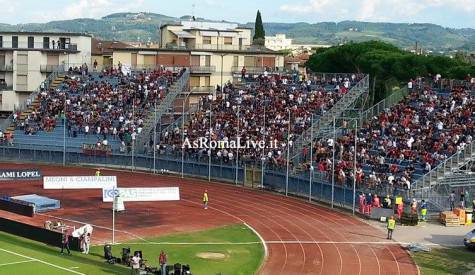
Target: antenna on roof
<point>193,12</point>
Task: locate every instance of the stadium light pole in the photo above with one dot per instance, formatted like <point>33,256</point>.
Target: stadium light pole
<point>133,129</point>
<point>183,136</point>
<point>263,149</point>
<point>64,132</point>
<point>155,136</point>
<point>354,167</point>
<point>288,159</point>
<point>333,161</point>
<point>311,161</point>
<point>114,207</point>
<point>238,142</point>
<point>209,142</point>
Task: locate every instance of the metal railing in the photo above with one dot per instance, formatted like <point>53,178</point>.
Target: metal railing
<point>50,68</point>
<point>394,98</point>
<point>31,97</point>
<point>202,69</point>
<point>444,169</point>
<point>6,88</point>
<point>162,108</point>
<point>9,44</point>
<point>202,89</point>
<point>257,69</point>
<point>324,121</point>
<point>217,170</point>
<point>217,47</point>
<point>6,68</point>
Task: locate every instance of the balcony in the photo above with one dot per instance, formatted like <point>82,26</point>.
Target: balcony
<point>50,68</point>
<point>6,68</point>
<point>5,87</point>
<point>202,89</point>
<point>257,70</point>
<point>202,69</point>
<point>214,47</point>
<point>9,45</point>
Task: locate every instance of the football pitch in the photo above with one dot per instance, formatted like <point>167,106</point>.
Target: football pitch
<point>238,248</point>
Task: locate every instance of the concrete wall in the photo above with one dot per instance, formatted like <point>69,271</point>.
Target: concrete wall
<point>11,99</point>
<point>36,58</point>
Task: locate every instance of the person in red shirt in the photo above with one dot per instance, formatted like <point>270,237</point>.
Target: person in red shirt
<point>163,261</point>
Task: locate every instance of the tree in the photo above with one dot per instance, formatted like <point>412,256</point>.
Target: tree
<point>387,65</point>
<point>259,32</point>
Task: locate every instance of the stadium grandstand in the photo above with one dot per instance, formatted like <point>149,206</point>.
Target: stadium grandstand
<point>328,144</point>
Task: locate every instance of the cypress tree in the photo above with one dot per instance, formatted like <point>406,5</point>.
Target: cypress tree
<point>259,32</point>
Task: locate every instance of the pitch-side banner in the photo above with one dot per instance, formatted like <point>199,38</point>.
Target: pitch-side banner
<point>20,174</point>
<point>142,194</point>
<point>81,182</point>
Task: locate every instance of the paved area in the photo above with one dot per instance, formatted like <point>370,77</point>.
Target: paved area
<point>428,233</point>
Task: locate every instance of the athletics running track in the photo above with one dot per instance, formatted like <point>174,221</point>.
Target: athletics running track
<point>300,238</point>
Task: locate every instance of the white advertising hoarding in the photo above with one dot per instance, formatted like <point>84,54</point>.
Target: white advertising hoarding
<point>142,194</point>
<point>80,182</point>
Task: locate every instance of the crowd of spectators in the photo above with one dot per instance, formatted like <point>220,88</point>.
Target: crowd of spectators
<point>403,142</point>
<point>108,104</point>
<point>266,108</point>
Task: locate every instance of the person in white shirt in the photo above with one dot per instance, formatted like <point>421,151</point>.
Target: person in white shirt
<point>135,264</point>
<point>86,243</point>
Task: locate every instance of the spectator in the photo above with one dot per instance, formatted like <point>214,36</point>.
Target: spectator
<point>163,262</point>
<point>452,200</point>
<point>65,242</point>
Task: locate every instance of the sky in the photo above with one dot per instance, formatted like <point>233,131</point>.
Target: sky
<point>448,13</point>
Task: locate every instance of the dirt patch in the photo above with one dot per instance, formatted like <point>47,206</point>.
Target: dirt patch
<point>211,256</point>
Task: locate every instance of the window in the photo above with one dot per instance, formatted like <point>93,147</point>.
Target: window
<point>236,61</point>
<point>15,42</point>
<point>207,40</point>
<point>45,42</point>
<point>1,41</point>
<point>31,42</point>
<point>228,41</point>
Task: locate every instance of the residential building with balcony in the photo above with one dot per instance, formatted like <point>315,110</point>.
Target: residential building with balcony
<point>215,52</point>
<point>280,42</point>
<point>218,52</point>
<point>27,58</point>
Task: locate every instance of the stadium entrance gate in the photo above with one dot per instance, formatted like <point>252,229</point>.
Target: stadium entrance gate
<point>253,176</point>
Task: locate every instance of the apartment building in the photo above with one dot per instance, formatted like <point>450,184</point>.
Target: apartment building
<point>26,59</point>
<point>280,42</point>
<point>215,52</point>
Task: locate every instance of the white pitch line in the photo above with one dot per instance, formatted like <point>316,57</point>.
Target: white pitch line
<point>19,262</point>
<point>202,243</point>
<point>43,262</point>
<point>266,251</point>
<point>280,242</point>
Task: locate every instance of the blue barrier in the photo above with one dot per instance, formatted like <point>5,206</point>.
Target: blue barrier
<point>272,180</point>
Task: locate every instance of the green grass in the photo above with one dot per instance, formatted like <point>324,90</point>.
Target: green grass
<point>445,261</point>
<point>27,248</point>
<point>240,258</point>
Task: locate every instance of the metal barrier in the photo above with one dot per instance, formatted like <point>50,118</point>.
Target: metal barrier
<point>192,166</point>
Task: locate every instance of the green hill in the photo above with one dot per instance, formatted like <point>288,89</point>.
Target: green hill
<point>144,26</point>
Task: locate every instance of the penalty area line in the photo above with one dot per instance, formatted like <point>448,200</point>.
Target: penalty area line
<point>41,261</point>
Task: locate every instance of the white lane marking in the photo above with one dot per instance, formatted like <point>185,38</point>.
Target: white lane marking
<point>19,262</point>
<point>266,251</point>
<point>43,262</point>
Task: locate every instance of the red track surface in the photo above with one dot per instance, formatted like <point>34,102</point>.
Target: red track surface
<point>301,238</point>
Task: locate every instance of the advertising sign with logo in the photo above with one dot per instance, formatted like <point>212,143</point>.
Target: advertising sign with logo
<point>81,182</point>
<point>19,174</point>
<point>142,194</point>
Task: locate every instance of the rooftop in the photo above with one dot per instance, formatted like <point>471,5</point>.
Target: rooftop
<point>45,33</point>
